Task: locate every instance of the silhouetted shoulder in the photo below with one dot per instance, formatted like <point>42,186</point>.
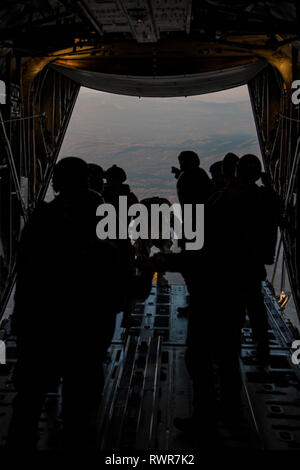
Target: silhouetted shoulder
<point>36,221</point>
<point>201,173</point>
<point>194,186</point>
<point>94,197</point>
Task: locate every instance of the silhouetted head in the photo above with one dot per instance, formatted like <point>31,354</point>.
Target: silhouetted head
<point>95,177</point>
<point>230,162</point>
<point>216,170</point>
<point>70,174</point>
<point>249,169</point>
<point>115,175</point>
<point>188,160</point>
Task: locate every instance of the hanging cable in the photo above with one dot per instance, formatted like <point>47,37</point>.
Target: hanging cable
<point>284,296</point>
<point>288,118</point>
<point>27,117</point>
<point>294,170</point>
<point>282,284</point>
<point>12,167</point>
<point>276,260</point>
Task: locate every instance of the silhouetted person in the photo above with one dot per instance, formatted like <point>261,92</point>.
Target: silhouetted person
<point>224,177</point>
<point>215,322</point>
<point>238,228</point>
<point>116,187</point>
<point>247,217</point>
<point>67,296</point>
<point>261,215</point>
<point>193,187</point>
<point>95,177</point>
<point>229,167</point>
<point>216,171</point>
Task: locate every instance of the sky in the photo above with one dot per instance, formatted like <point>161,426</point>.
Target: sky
<point>145,135</point>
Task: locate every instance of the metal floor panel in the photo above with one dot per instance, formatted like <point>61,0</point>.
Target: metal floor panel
<point>147,385</point>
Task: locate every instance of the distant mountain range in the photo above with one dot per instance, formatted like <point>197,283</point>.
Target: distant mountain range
<point>148,166</point>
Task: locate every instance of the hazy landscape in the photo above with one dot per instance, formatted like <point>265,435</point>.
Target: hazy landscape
<point>145,136</point>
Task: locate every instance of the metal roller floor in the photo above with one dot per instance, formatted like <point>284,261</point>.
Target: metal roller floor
<point>147,385</point>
